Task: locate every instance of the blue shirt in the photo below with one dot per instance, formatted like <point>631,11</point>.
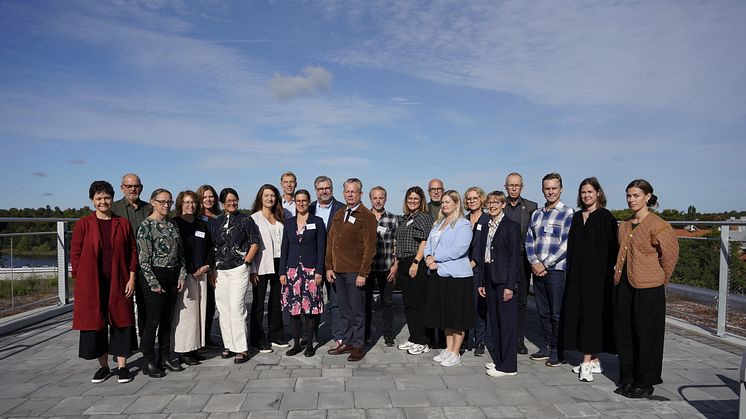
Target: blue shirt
<point>323,213</point>
<point>450,248</point>
<point>546,241</point>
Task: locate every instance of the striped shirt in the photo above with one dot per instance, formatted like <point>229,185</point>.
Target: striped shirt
<point>385,239</point>
<point>546,241</point>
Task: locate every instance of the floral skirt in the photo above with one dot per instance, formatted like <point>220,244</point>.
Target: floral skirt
<point>300,294</point>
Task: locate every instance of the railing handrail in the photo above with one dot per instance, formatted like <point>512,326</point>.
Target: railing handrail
<point>32,220</point>
<point>704,223</point>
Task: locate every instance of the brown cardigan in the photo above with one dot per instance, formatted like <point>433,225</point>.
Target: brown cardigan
<point>650,250</point>
<point>351,247</point>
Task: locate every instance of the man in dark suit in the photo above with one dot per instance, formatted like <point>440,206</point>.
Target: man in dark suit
<point>519,209</point>
<point>350,248</point>
<point>135,211</point>
<point>325,207</point>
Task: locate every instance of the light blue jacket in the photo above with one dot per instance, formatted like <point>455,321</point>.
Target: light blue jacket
<point>451,249</point>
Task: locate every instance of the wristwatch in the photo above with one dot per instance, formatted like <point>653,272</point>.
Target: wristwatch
<point>415,262</point>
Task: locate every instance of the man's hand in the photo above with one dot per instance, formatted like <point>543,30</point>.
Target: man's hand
<point>254,279</point>
<point>392,272</point>
<point>413,270</point>
<point>539,269</point>
<point>330,276</point>
<point>507,295</point>
<point>283,279</point>
<point>482,292</point>
<point>360,281</point>
<point>318,278</point>
<point>180,285</point>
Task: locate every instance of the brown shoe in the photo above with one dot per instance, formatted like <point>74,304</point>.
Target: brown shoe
<point>340,350</point>
<point>356,355</point>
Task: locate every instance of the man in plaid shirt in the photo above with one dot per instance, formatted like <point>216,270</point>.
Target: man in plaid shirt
<point>546,250</point>
<point>383,269</point>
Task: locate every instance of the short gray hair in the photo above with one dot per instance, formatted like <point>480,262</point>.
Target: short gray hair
<point>322,178</point>
<point>353,180</point>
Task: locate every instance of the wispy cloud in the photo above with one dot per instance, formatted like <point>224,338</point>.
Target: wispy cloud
<point>39,174</point>
<point>311,80</point>
<point>77,162</point>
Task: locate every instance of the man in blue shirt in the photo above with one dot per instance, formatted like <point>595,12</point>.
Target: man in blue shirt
<point>546,250</point>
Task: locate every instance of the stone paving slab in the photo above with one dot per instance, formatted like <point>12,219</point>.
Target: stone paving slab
<point>700,380</point>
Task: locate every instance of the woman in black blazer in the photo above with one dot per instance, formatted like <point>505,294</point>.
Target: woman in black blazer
<point>499,261</point>
<point>302,263</point>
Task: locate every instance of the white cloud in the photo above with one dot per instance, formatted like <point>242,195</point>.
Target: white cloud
<point>311,80</point>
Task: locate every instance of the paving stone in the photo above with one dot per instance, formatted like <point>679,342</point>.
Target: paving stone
<point>307,414</point>
<point>72,406</point>
<point>465,381</point>
<point>463,412</point>
<point>274,374</point>
<point>218,387</point>
<point>62,390</point>
<point>409,398</point>
<point>166,387</point>
<point>424,413</point>
<point>148,416</point>
<point>187,403</point>
<point>299,401</point>
<point>419,382</point>
<point>370,383</point>
<point>346,414</point>
<point>110,405</point>
<point>515,396</point>
<point>340,400</point>
<point>262,401</point>
<point>614,408</point>
<point>336,372</point>
<point>386,413</point>
<point>366,399</point>
<point>225,403</point>
<point>576,409</point>
<point>188,416</point>
<point>18,390</point>
<point>448,397</point>
<point>502,412</point>
<point>549,394</point>
<point>540,410</point>
<point>268,414</point>
<point>320,384</point>
<point>306,372</point>
<point>149,404</point>
<point>228,415</point>
<point>112,388</point>
<point>7,404</point>
<point>584,393</point>
<point>34,407</point>
<point>270,384</point>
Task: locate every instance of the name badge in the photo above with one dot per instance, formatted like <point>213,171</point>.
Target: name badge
<point>351,220</point>
<point>382,229</point>
<point>479,227</point>
<point>200,234</point>
<point>434,233</point>
<point>409,222</point>
<point>311,226</point>
<point>548,228</point>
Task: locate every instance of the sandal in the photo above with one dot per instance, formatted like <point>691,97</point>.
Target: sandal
<point>241,358</point>
<point>227,354</point>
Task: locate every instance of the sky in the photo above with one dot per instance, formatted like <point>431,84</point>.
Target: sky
<point>233,93</point>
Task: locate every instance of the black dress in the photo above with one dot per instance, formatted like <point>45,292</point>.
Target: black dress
<point>586,309</point>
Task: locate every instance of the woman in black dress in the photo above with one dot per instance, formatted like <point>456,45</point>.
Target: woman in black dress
<point>591,249</point>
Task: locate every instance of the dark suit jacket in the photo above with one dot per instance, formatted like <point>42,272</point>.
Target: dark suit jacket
<point>477,245</point>
<point>311,249</point>
<point>336,206</point>
<point>505,250</point>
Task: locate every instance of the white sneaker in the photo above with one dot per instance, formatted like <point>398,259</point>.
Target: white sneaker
<point>441,356</point>
<point>495,373</point>
<point>418,349</point>
<point>595,367</point>
<point>406,345</point>
<point>451,360</point>
<point>280,344</point>
<point>586,372</point>
<point>490,365</point>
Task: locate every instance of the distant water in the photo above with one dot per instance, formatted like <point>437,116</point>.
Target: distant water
<point>30,261</point>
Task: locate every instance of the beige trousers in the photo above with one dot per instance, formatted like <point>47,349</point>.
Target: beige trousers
<point>190,310</point>
<point>230,292</point>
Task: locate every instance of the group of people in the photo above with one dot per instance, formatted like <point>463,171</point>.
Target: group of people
<point>463,265</point>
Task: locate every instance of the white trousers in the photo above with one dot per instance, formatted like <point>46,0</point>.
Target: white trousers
<point>230,292</point>
<point>190,311</point>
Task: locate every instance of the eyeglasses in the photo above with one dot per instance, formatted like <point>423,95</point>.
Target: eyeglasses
<point>491,203</point>
<point>138,186</point>
<point>231,201</point>
<point>413,199</point>
<point>164,203</point>
<point>301,201</point>
<point>328,188</point>
<point>435,189</point>
<point>513,186</point>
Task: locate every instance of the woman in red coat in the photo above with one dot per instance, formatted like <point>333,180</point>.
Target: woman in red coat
<point>103,255</point>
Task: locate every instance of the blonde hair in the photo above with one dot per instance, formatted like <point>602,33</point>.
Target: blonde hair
<point>480,193</point>
<point>457,212</point>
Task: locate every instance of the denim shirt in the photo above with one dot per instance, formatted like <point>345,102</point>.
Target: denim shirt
<point>450,249</point>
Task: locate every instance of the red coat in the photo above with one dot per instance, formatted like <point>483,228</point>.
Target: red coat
<point>85,249</point>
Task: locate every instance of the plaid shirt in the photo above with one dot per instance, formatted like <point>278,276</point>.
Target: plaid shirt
<point>412,230</point>
<point>385,242</point>
<point>546,241</point>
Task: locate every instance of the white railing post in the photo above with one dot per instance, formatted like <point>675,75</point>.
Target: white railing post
<point>723,286</point>
<point>62,258</point>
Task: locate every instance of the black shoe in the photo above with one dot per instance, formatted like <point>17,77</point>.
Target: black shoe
<point>241,358</point>
<point>196,355</point>
<point>167,364</point>
<point>265,348</point>
<point>479,350</point>
<point>101,375</point>
<point>623,389</point>
<point>522,349</point>
<point>227,354</point>
<point>123,375</point>
<point>152,370</point>
<point>309,352</point>
<point>639,392</point>
<point>295,350</point>
<point>388,341</point>
<point>189,359</point>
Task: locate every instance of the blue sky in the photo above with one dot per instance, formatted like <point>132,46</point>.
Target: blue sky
<point>392,92</point>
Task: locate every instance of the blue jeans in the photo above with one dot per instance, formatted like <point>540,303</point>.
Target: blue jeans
<point>549,290</point>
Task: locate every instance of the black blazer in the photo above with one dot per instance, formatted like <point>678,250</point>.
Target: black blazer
<point>505,250</point>
<point>311,250</point>
<point>477,241</point>
<point>336,206</point>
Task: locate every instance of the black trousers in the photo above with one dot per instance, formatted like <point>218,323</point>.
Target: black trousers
<point>140,307</point>
<point>640,326</point>
<point>351,299</point>
<point>159,309</point>
<point>274,309</point>
<point>414,293</point>
<point>377,279</point>
<point>522,293</point>
<point>115,341</point>
<point>502,323</point>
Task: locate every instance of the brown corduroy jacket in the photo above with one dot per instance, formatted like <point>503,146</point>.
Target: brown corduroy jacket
<point>350,247</point>
<point>650,251</point>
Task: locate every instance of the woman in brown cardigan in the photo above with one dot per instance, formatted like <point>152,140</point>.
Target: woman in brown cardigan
<point>648,252</point>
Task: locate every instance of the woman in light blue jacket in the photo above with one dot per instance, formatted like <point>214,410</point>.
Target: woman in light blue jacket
<point>450,303</point>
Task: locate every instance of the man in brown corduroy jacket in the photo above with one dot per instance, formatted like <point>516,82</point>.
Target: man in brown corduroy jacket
<point>350,247</point>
